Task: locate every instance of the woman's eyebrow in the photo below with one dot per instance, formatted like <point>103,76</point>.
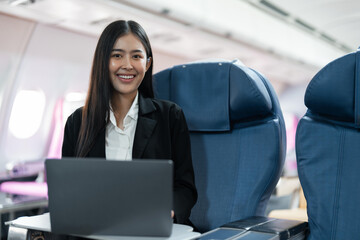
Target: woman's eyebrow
<point>121,50</point>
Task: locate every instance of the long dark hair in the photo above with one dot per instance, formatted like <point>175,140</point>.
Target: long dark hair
<point>95,114</point>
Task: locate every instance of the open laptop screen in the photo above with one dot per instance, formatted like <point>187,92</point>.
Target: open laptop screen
<point>104,197</point>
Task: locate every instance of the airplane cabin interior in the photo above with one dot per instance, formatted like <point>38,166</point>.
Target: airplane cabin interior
<point>270,90</point>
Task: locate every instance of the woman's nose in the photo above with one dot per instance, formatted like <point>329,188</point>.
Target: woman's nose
<point>126,64</point>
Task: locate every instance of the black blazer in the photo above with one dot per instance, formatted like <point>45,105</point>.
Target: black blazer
<point>161,133</point>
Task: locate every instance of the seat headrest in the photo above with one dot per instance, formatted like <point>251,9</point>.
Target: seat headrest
<point>213,94</point>
<point>334,92</point>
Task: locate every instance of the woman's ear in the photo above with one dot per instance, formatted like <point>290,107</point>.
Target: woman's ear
<point>148,63</point>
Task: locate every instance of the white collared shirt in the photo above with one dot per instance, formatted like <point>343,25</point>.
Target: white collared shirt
<point>118,142</point>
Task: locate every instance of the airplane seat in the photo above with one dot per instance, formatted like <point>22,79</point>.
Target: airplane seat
<point>237,136</point>
<point>328,152</point>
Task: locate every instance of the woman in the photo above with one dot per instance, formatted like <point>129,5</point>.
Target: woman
<point>121,120</point>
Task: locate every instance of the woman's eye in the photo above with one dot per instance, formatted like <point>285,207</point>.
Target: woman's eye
<point>137,56</point>
<point>117,56</point>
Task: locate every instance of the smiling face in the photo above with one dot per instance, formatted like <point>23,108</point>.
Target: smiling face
<point>127,65</point>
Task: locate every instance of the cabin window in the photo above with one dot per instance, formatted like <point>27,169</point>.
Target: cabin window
<point>27,113</point>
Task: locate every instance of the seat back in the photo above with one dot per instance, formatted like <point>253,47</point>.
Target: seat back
<point>328,150</point>
<point>237,137</point>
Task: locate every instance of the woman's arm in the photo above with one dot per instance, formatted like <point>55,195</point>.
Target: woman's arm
<point>71,133</point>
<point>185,194</point>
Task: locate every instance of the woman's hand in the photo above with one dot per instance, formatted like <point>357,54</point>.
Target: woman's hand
<point>172,213</point>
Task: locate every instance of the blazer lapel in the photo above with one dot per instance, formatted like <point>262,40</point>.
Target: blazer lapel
<point>145,126</point>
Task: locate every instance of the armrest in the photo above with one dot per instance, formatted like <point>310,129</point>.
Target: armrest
<point>259,228</point>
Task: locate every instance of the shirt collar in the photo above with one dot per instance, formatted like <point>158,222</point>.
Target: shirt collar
<point>134,109</point>
<point>132,114</point>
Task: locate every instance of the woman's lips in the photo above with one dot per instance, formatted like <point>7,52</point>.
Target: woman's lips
<point>125,78</point>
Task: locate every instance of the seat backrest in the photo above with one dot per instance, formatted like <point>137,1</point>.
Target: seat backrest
<point>237,137</point>
<point>328,150</point>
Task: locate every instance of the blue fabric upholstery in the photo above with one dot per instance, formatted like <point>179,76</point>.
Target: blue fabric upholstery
<point>239,96</point>
<point>328,150</point>
<point>237,137</point>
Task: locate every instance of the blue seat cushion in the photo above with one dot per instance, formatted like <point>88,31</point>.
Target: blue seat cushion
<point>221,93</point>
<point>334,92</point>
<point>328,166</point>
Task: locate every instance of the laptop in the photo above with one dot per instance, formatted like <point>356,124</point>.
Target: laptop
<point>106,197</point>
